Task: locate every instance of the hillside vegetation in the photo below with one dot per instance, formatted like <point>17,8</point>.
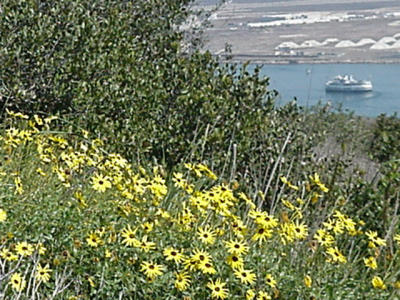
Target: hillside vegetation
<point>136,166</point>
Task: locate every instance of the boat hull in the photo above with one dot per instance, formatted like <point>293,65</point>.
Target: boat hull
<point>347,83</point>
<point>350,88</point>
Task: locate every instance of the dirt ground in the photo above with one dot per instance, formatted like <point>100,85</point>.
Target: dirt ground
<point>317,31</point>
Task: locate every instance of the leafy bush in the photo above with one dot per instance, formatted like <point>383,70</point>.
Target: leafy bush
<point>54,54</point>
<point>385,144</point>
<point>119,70</point>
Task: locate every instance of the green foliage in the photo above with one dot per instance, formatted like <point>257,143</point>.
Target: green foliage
<point>97,222</point>
<point>378,203</point>
<point>385,144</point>
<point>127,73</point>
<point>56,53</point>
<point>120,70</point>
<point>341,152</point>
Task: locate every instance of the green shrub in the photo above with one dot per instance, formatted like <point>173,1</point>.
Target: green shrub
<point>385,144</point>
<point>56,53</point>
<point>121,71</point>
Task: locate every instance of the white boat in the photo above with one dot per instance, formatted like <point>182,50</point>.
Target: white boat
<point>348,83</point>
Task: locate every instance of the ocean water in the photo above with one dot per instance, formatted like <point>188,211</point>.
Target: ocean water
<point>306,83</point>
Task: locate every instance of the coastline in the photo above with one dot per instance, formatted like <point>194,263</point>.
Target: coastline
<point>316,32</point>
<point>273,60</point>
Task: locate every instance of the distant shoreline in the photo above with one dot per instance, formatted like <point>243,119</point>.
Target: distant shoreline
<point>316,32</point>
<point>292,61</point>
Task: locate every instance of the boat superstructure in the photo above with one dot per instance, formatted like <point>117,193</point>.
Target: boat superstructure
<point>347,83</point>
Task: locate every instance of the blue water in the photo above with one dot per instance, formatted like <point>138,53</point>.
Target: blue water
<point>306,82</point>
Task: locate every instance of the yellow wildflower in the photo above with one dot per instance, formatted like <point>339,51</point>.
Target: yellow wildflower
<point>207,235</point>
<point>173,254</point>
<point>18,186</point>
<point>182,281</point>
<point>206,267</point>
<point>370,262</point>
<point>129,236</point>
<point>235,261</point>
<point>218,289</point>
<point>287,182</point>
<point>151,270</point>
<point>94,240</point>
<point>269,279</point>
<point>145,245</point>
<point>336,255</point>
<point>263,296</point>
<point>397,284</point>
<point>24,249</point>
<point>250,294</point>
<point>8,255</point>
<point>324,238</point>
<point>374,239</point>
<point>378,283</point>
<point>307,281</point>
<point>17,115</point>
<point>262,235</point>
<point>41,248</point>
<point>3,215</point>
<point>17,282</point>
<point>43,273</point>
<point>245,276</point>
<point>237,247</point>
<point>100,183</point>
